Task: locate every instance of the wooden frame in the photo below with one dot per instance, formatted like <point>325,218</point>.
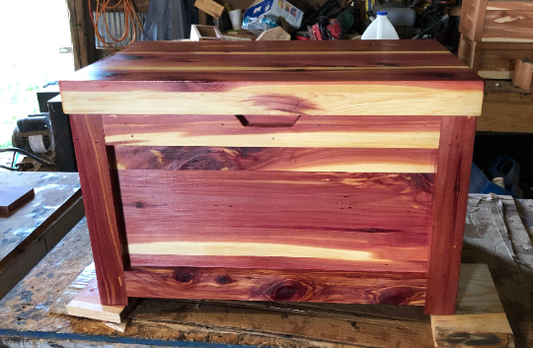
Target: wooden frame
<point>407,254</point>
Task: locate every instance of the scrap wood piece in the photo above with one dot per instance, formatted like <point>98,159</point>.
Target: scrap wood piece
<point>13,197</point>
<point>235,322</point>
<point>204,32</point>
<point>275,34</point>
<point>210,7</point>
<point>87,303</point>
<point>480,319</point>
<point>523,74</point>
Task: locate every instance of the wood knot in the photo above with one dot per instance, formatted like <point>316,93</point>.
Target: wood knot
<point>397,296</point>
<point>224,280</point>
<point>138,205</point>
<point>184,277</point>
<point>288,290</point>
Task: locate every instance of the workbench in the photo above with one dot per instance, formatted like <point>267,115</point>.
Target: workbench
<point>332,172</point>
<point>496,233</point>
<point>34,228</point>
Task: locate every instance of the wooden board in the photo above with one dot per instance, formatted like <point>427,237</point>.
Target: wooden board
<point>506,109</point>
<point>324,78</point>
<point>13,197</point>
<point>277,285</point>
<point>523,74</point>
<point>450,201</point>
<point>509,25</point>
<point>87,304</point>
<point>243,219</point>
<point>497,21</point>
<point>99,198</point>
<point>350,160</point>
<point>227,130</point>
<point>210,7</point>
<point>479,319</point>
<point>274,34</point>
<point>493,60</point>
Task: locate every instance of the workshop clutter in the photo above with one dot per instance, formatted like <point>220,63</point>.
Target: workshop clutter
<point>380,29</point>
<point>333,20</point>
<point>264,14</point>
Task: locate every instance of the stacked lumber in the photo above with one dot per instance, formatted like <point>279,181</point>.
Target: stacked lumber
<point>494,34</point>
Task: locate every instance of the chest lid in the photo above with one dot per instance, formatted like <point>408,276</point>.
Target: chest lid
<point>411,77</point>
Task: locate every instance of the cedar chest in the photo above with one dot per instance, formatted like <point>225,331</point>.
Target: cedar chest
<point>276,171</point>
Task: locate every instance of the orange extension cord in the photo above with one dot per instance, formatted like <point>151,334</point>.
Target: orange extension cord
<point>130,17</point>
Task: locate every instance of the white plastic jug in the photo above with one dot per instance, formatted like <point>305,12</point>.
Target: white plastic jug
<point>380,29</point>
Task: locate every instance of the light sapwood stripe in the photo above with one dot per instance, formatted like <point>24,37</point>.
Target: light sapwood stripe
<point>284,99</point>
<point>510,6</point>
<point>505,39</point>
<point>386,167</point>
<point>289,68</point>
<point>250,249</point>
<point>420,140</point>
<point>262,53</point>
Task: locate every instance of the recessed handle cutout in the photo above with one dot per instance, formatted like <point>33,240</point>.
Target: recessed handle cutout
<point>267,120</point>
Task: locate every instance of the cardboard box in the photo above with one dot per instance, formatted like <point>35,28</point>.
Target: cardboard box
<point>276,8</point>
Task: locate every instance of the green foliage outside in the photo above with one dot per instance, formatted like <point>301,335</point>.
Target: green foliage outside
<point>30,57</point>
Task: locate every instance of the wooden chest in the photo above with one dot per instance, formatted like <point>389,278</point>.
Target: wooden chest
<point>494,34</point>
<point>277,171</point>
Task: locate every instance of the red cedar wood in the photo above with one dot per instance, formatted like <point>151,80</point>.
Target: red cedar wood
<point>261,159</point>
<point>388,215</point>
<point>99,200</point>
<point>449,207</point>
<point>209,125</point>
<point>517,25</point>
<point>385,58</point>
<point>278,285</point>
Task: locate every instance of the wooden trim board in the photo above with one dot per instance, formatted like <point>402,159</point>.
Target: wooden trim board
<point>100,206</point>
<point>87,304</point>
<point>449,208</point>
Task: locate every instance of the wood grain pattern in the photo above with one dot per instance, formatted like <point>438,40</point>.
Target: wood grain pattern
<point>523,74</point>
<point>99,200</point>
<point>87,304</point>
<point>276,78</point>
<point>274,99</point>
<point>277,285</point>
<point>506,24</point>
<point>449,208</point>
<point>276,159</point>
<point>273,219</point>
<point>480,315</point>
<point>227,130</point>
<point>493,60</point>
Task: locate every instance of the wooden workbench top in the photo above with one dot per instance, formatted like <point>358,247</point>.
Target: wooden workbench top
<point>412,77</point>
<point>35,227</point>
